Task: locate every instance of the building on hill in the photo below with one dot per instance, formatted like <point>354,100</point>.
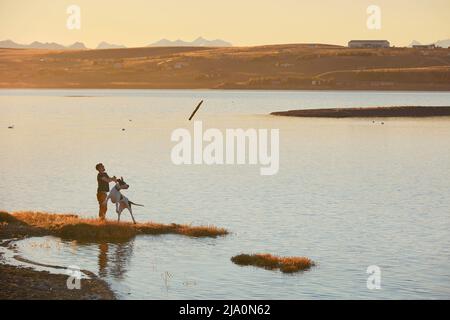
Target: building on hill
<point>369,44</point>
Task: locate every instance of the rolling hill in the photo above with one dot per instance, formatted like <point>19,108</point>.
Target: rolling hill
<point>291,66</point>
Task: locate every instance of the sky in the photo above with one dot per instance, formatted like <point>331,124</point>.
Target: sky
<point>242,22</point>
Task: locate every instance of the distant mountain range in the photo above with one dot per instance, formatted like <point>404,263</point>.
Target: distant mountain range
<point>106,45</point>
<point>56,46</point>
<point>42,45</point>
<point>440,43</point>
<point>199,42</point>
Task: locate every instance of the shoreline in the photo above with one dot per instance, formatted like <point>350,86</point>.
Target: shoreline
<point>369,112</point>
<point>26,283</point>
<point>23,283</point>
<point>444,89</point>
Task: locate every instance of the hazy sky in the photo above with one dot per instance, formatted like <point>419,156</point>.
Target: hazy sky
<point>242,22</point>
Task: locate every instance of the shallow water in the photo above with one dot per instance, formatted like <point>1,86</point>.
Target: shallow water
<point>350,193</point>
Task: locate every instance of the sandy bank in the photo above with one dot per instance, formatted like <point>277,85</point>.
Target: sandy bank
<point>24,283</point>
<point>408,111</point>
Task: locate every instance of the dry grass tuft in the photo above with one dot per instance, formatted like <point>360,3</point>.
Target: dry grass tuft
<point>271,262</point>
<point>72,227</point>
<point>45,220</point>
<point>187,230</point>
<point>6,218</point>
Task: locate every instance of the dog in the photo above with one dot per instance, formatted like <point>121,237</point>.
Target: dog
<point>120,200</point>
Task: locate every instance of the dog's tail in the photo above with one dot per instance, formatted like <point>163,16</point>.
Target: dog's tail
<point>136,204</point>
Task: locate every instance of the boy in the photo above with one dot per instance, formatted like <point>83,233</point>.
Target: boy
<point>103,181</point>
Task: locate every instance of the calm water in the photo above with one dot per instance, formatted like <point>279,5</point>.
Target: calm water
<point>350,193</point>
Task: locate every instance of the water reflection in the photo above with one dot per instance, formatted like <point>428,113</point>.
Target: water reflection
<point>114,258</point>
<point>102,259</point>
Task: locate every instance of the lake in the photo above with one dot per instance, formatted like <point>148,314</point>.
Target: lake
<point>349,193</point>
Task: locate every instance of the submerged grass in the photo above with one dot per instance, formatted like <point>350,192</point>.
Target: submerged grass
<point>271,262</point>
<point>72,227</point>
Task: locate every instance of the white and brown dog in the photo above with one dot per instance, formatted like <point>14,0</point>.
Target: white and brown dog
<point>120,200</point>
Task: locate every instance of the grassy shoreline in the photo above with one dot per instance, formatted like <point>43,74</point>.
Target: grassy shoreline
<point>69,226</point>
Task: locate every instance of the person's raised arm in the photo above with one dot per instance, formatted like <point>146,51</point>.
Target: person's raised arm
<point>109,179</point>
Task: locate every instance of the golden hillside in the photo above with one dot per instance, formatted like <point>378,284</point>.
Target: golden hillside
<point>296,66</point>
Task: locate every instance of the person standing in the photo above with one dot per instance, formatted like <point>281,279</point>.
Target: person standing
<point>103,181</point>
